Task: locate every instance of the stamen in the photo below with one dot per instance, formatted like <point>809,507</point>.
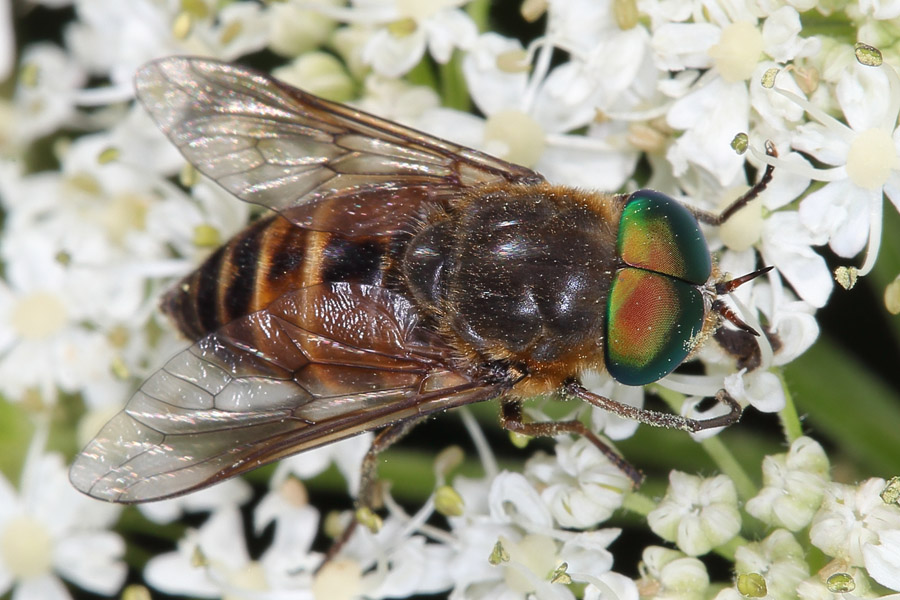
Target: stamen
<point>801,168</point>
<point>890,118</point>
<point>875,225</point>
<point>482,447</point>
<point>821,116</point>
<point>541,67</point>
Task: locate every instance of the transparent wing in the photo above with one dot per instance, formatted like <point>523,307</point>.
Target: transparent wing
<point>277,146</point>
<point>318,365</point>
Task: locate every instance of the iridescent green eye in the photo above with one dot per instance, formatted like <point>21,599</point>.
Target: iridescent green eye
<point>652,323</point>
<point>657,233</point>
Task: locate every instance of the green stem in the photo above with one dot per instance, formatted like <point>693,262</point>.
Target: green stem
<point>638,503</point>
<point>729,465</point>
<point>790,420</point>
<point>423,74</point>
<point>836,25</point>
<point>454,91</point>
<point>479,10</point>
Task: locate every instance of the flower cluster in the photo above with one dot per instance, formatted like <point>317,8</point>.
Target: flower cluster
<point>101,215</point>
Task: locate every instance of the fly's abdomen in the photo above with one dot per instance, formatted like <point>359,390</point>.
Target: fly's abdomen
<point>264,261</point>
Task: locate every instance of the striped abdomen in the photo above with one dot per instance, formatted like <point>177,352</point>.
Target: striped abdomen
<point>270,257</point>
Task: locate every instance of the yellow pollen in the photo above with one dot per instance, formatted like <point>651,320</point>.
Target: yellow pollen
<point>871,159</point>
<point>38,315</point>
<point>26,547</point>
<point>738,51</point>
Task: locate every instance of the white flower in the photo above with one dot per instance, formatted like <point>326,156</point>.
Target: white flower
<point>709,117</point>
<point>817,586</point>
<point>43,305</point>
<point>718,104</point>
<point>697,514</point>
<point>396,100</point>
<point>579,485</point>
<point>45,93</point>
<point>791,319</point>
<point>396,562</point>
<point>863,155</point>
<point>669,574</point>
<point>404,29</point>
<point>49,530</point>
<point>613,426</point>
<point>296,28</point>
<point>794,484</point>
<point>882,10</point>
<point>318,73</point>
<point>508,545</point>
<point>779,559</point>
<point>233,492</point>
<point>213,561</point>
<point>529,117</point>
<point>296,525</point>
<point>760,389</point>
<point>346,454</point>
<point>141,30</point>
<point>882,560</point>
<point>855,525</point>
<point>611,66</point>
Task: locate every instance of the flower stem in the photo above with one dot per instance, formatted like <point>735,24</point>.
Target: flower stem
<point>790,420</point>
<point>454,91</point>
<point>480,11</point>
<point>729,465</point>
<point>638,503</point>
<point>716,449</point>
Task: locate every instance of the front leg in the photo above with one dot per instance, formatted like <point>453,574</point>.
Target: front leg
<point>658,419</point>
<point>511,419</point>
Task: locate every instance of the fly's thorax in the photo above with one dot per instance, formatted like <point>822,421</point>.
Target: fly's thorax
<point>519,273</point>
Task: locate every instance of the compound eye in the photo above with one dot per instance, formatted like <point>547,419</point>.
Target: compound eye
<point>659,234</point>
<point>652,325</point>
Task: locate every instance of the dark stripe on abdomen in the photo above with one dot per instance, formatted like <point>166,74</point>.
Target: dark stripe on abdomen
<point>265,261</point>
<point>192,303</point>
<point>221,289</point>
<point>238,274</point>
<point>357,260</point>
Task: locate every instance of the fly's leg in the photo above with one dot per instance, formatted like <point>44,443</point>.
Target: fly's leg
<point>658,419</point>
<point>511,419</point>
<point>369,499</point>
